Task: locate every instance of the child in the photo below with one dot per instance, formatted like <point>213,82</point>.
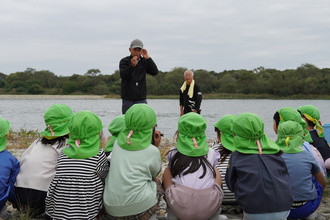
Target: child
<point>312,117</point>
<point>224,144</point>
<point>131,191</point>
<point>192,184</point>
<point>115,127</point>
<point>307,180</point>
<point>257,173</point>
<point>291,114</point>
<point>76,189</point>
<point>9,167</point>
<point>38,162</point>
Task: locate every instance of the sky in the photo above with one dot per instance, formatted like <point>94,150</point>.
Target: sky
<point>70,37</point>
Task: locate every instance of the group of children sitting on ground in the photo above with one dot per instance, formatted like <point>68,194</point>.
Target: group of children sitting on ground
<point>65,174</point>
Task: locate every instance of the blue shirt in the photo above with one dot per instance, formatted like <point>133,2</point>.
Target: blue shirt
<point>8,172</point>
<point>301,167</point>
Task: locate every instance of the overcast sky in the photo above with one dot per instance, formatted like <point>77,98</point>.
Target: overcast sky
<point>72,36</point>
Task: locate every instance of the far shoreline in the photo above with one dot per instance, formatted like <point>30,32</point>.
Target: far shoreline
<point>50,97</point>
<point>205,96</point>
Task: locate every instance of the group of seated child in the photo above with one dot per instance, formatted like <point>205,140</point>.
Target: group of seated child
<point>65,174</point>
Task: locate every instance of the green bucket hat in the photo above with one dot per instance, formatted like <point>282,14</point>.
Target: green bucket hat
<point>291,114</point>
<point>250,137</point>
<point>312,114</point>
<point>4,130</point>
<point>290,137</point>
<point>140,119</point>
<point>227,136</point>
<point>57,118</point>
<point>115,127</point>
<point>84,141</point>
<point>191,135</point>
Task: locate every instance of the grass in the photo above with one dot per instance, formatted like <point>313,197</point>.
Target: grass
<point>21,139</point>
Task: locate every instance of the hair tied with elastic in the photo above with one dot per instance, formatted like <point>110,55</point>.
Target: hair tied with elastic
<point>259,147</point>
<point>128,141</point>
<point>77,142</point>
<point>195,142</point>
<point>50,129</point>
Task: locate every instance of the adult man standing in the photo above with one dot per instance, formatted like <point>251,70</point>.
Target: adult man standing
<point>133,70</point>
<point>190,94</point>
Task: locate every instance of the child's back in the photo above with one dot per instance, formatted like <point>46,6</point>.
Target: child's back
<point>38,162</point>
<point>192,183</point>
<point>76,189</point>
<point>307,180</point>
<point>257,173</point>
<point>9,166</point>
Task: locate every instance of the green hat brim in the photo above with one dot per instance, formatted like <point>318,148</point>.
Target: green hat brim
<point>295,145</point>
<point>224,125</point>
<point>5,127</point>
<point>3,143</point>
<point>58,129</point>
<point>185,145</point>
<point>227,141</point>
<point>248,146</point>
<point>110,143</point>
<point>139,140</point>
<point>88,147</point>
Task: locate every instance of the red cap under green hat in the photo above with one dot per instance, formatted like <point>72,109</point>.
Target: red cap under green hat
<point>250,137</point>
<point>4,130</point>
<point>191,135</point>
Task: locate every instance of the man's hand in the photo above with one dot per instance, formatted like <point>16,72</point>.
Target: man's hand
<point>145,54</point>
<point>134,61</point>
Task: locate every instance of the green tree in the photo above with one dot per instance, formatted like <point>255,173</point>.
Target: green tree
<point>69,87</point>
<point>35,89</point>
<point>92,72</point>
<point>227,84</point>
<point>2,80</point>
<point>101,89</point>
<point>206,81</point>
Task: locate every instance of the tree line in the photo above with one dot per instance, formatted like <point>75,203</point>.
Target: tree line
<point>307,79</point>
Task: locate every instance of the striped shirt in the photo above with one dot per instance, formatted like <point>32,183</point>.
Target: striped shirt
<point>76,189</point>
<point>229,197</point>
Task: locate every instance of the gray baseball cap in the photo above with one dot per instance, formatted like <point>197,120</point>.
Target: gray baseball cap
<point>136,44</point>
